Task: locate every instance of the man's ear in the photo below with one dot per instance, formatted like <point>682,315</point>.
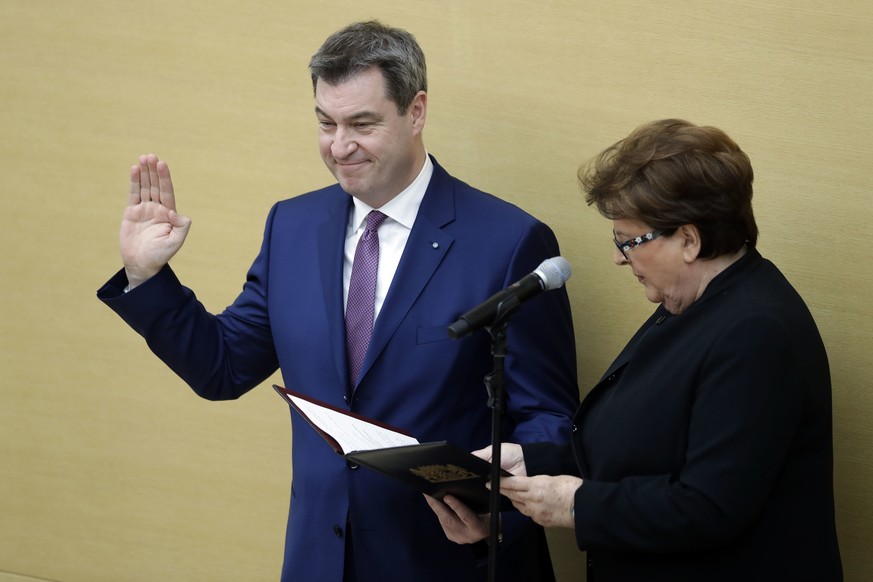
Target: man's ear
<point>418,111</point>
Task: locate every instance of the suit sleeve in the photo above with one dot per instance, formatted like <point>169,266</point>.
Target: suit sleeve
<point>220,356</point>
<point>540,369</point>
<point>542,392</point>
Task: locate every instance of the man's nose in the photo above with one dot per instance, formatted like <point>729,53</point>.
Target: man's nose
<point>343,144</point>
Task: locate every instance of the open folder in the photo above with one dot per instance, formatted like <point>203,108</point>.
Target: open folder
<point>437,469</point>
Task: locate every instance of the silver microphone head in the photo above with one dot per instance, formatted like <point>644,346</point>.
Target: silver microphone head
<point>554,273</point>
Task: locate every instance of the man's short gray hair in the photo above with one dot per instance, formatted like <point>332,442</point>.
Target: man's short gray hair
<point>365,45</point>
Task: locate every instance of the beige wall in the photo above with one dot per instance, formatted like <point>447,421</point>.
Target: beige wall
<point>110,469</point>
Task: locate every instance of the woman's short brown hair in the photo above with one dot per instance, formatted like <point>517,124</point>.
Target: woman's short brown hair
<point>670,173</point>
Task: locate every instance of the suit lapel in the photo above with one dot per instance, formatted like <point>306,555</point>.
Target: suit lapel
<point>427,246</point>
<point>331,246</point>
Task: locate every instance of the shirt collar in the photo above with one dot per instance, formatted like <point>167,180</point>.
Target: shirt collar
<point>403,208</point>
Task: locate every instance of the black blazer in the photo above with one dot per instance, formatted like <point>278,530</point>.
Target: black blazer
<point>706,449</point>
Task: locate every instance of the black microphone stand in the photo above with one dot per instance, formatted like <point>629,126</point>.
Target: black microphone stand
<point>497,402</point>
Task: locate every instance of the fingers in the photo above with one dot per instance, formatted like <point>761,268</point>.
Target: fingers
<point>145,194</point>
<point>133,197</point>
<point>154,186</point>
<point>464,513</point>
<point>150,182</point>
<point>511,457</point>
<point>545,499</point>
<point>183,223</point>
<point>516,485</point>
<point>483,453</point>
<point>518,490</point>
<point>165,185</point>
<point>460,524</point>
<point>438,507</point>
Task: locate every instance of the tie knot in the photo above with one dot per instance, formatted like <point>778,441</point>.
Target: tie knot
<point>375,220</point>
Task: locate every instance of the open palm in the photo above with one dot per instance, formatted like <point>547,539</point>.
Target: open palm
<point>151,229</point>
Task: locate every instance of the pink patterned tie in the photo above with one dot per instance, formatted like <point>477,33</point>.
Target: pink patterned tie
<point>362,295</point>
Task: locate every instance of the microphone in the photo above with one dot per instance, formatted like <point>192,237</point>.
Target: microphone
<point>551,274</point>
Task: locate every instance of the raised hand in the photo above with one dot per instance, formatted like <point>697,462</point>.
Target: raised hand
<point>151,230</point>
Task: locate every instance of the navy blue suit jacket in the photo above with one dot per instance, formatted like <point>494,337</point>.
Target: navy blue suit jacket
<point>464,246</point>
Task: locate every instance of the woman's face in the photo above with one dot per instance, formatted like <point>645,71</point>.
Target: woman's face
<point>662,264</point>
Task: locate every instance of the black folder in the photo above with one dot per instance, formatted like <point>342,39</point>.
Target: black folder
<point>436,468</point>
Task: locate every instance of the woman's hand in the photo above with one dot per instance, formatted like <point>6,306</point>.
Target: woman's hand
<point>511,458</point>
<point>547,500</point>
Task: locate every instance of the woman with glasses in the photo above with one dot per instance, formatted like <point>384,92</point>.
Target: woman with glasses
<point>705,452</point>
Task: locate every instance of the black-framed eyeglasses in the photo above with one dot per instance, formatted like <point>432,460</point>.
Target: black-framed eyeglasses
<point>629,244</point>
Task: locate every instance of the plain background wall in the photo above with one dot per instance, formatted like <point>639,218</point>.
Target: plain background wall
<point>111,469</point>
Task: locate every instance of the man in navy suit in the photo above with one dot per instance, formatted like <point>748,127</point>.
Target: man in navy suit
<point>443,248</point>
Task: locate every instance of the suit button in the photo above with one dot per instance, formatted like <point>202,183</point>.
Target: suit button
<point>574,429</point>
<point>352,465</point>
<point>590,562</point>
<point>338,531</point>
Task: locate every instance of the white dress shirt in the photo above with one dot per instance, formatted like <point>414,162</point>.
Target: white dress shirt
<point>393,234</point>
